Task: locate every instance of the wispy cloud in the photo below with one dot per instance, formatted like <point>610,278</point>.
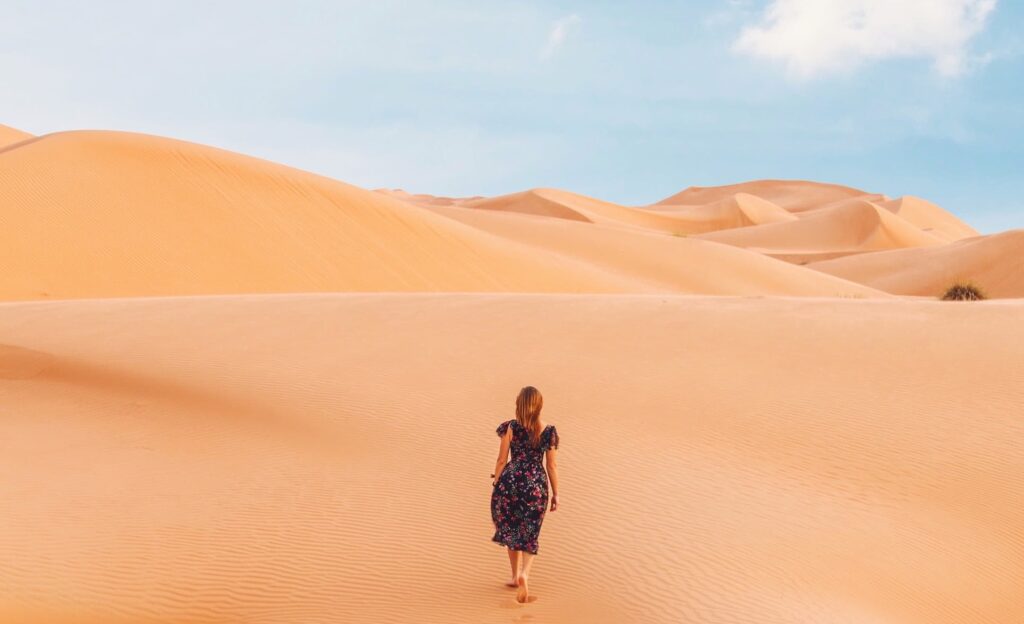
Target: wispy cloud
<point>559,32</point>
<point>815,37</point>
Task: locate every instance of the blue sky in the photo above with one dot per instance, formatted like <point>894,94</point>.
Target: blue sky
<point>629,102</point>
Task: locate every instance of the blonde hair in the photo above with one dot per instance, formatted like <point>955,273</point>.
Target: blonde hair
<point>528,406</point>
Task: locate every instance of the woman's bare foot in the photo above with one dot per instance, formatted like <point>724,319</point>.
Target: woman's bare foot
<point>513,583</point>
<point>524,591</point>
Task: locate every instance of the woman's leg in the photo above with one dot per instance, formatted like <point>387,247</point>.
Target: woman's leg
<point>524,589</point>
<point>513,558</point>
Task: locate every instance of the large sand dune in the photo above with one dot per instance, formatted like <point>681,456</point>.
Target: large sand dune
<point>325,458</point>
<point>119,214</point>
<point>994,262</point>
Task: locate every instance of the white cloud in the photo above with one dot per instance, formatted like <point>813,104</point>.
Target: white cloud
<point>559,31</point>
<point>813,37</point>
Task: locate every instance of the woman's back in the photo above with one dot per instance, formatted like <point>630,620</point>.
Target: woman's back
<point>522,447</point>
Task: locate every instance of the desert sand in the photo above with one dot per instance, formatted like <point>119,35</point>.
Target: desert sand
<point>10,136</point>
<point>233,391</point>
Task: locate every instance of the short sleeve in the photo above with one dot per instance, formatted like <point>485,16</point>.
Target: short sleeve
<point>552,439</point>
<point>502,427</point>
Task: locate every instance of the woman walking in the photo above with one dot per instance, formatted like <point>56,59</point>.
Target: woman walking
<point>520,495</point>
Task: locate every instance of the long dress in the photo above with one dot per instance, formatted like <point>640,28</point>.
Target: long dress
<point>520,496</point>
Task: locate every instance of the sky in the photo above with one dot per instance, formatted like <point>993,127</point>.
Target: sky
<point>626,101</point>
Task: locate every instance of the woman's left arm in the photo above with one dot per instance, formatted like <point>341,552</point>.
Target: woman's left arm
<point>506,441</point>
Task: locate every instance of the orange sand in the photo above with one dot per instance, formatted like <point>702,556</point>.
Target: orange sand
<point>310,440</point>
<point>325,458</point>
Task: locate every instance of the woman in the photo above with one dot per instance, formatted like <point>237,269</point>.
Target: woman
<point>520,494</point>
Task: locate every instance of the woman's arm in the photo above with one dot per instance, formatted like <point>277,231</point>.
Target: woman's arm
<point>552,470</point>
<point>506,441</point>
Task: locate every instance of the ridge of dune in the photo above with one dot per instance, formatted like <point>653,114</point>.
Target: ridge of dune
<point>929,217</point>
<point>671,263</point>
<point>425,199</point>
<point>733,211</point>
<point>248,459</point>
<point>10,136</point>
<point>791,195</point>
<point>98,213</point>
<point>561,204</point>
<point>844,228</point>
<point>995,262</point>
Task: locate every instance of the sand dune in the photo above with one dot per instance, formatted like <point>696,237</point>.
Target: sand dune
<point>733,211</point>
<point>843,228</point>
<point>994,262</point>
<point>117,214</point>
<point>791,195</point>
<point>10,136</point>
<point>576,207</point>
<point>665,263</point>
<point>325,458</point>
<point>929,218</point>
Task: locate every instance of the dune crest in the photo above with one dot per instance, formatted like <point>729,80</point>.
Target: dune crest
<point>791,195</point>
<point>733,211</point>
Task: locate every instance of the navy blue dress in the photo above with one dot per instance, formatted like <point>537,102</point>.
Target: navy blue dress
<point>520,496</point>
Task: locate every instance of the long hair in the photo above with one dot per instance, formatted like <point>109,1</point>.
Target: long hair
<point>528,406</point>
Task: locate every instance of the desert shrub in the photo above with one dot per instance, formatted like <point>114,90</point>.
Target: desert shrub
<point>963,291</point>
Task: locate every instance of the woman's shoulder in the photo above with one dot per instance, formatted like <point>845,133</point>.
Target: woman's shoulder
<point>549,437</point>
<point>504,426</point>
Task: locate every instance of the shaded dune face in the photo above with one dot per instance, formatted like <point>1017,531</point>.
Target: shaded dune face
<point>325,458</point>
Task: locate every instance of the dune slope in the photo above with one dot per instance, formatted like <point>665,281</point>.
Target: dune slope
<point>994,262</point>
<point>666,263</point>
<point>94,213</point>
<point>325,458</point>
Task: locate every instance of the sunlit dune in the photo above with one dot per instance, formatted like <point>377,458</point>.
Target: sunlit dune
<point>119,214</point>
<point>994,262</point>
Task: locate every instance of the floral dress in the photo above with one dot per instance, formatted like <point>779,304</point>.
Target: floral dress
<point>520,496</point>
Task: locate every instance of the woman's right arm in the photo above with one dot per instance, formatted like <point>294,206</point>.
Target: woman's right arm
<point>552,470</point>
